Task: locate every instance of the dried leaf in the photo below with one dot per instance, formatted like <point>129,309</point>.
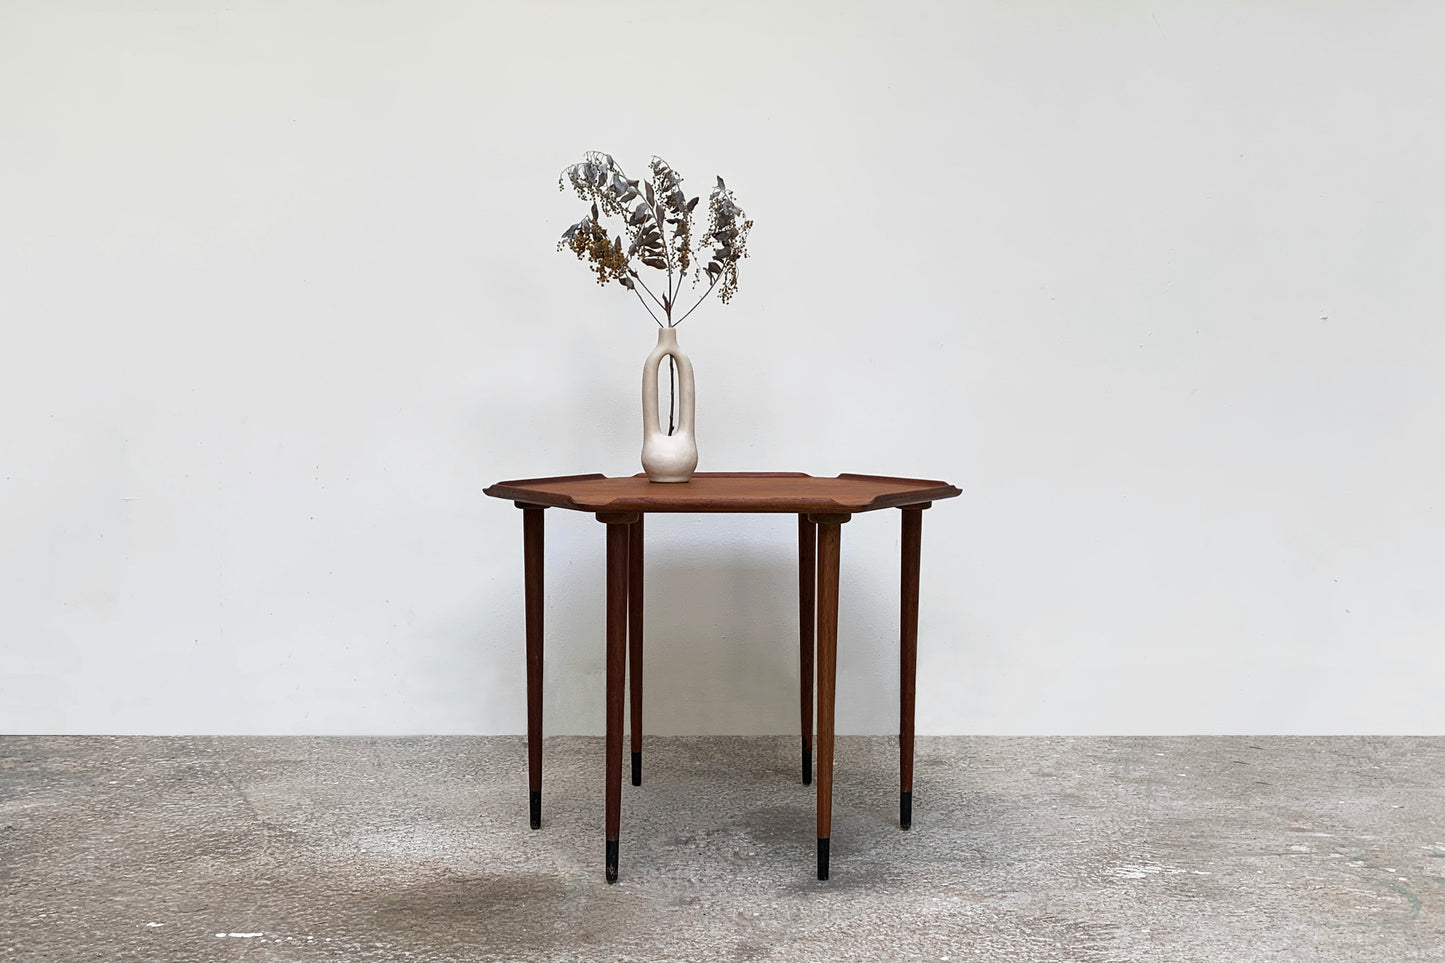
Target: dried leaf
<point>720,185</point>
<point>647,185</point>
<point>594,210</point>
<point>655,262</point>
<point>639,214</point>
<point>627,283</point>
<point>691,204</point>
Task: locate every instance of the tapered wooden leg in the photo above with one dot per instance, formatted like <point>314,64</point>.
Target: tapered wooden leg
<point>634,641</point>
<point>532,540</point>
<point>807,584</point>
<point>829,540</point>
<point>908,661</point>
<point>617,539</point>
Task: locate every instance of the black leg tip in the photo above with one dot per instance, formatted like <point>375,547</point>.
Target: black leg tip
<point>823,857</point>
<point>611,860</point>
<point>536,808</point>
<point>807,764</point>
<point>637,768</point>
<point>905,809</point>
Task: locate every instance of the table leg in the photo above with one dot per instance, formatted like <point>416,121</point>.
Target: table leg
<point>634,641</point>
<point>908,661</point>
<point>829,540</point>
<point>617,542</point>
<point>532,539</point>
<point>807,585</point>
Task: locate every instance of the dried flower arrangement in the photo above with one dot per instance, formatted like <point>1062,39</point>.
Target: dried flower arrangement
<point>657,220</point>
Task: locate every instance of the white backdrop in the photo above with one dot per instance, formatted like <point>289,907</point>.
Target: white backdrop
<point>1156,284</point>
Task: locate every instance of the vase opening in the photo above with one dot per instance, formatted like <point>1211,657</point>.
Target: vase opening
<point>667,410</point>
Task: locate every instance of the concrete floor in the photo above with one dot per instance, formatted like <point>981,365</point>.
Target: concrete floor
<point>1183,849</point>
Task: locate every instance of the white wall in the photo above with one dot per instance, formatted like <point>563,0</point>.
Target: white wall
<point>1156,284</point>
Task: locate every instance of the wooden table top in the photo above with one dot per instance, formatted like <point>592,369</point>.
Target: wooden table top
<point>741,492</point>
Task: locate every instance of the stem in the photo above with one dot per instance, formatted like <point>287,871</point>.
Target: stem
<point>657,216</point>
<point>694,307</point>
<point>644,304</point>
<point>671,395</point>
<point>667,256</point>
<point>638,278</point>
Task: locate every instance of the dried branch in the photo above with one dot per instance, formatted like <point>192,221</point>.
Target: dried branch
<point>657,219</point>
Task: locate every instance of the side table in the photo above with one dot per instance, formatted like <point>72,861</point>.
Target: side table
<point>822,506</point>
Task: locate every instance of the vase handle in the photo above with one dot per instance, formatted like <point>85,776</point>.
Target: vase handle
<point>684,393</point>
<point>651,423</point>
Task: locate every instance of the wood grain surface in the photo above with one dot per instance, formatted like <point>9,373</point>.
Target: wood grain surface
<point>745,492</point>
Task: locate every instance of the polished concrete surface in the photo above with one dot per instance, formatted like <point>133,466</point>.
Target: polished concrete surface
<point>1100,849</point>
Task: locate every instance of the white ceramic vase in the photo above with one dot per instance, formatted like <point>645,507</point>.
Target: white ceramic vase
<point>668,458</point>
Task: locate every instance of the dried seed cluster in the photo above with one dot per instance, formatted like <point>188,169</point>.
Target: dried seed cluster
<point>727,227</point>
<point>591,243</point>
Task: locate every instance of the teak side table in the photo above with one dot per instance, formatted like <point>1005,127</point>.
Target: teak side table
<point>822,506</point>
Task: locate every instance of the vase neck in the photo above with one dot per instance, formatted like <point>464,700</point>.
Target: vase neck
<point>666,337</point>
